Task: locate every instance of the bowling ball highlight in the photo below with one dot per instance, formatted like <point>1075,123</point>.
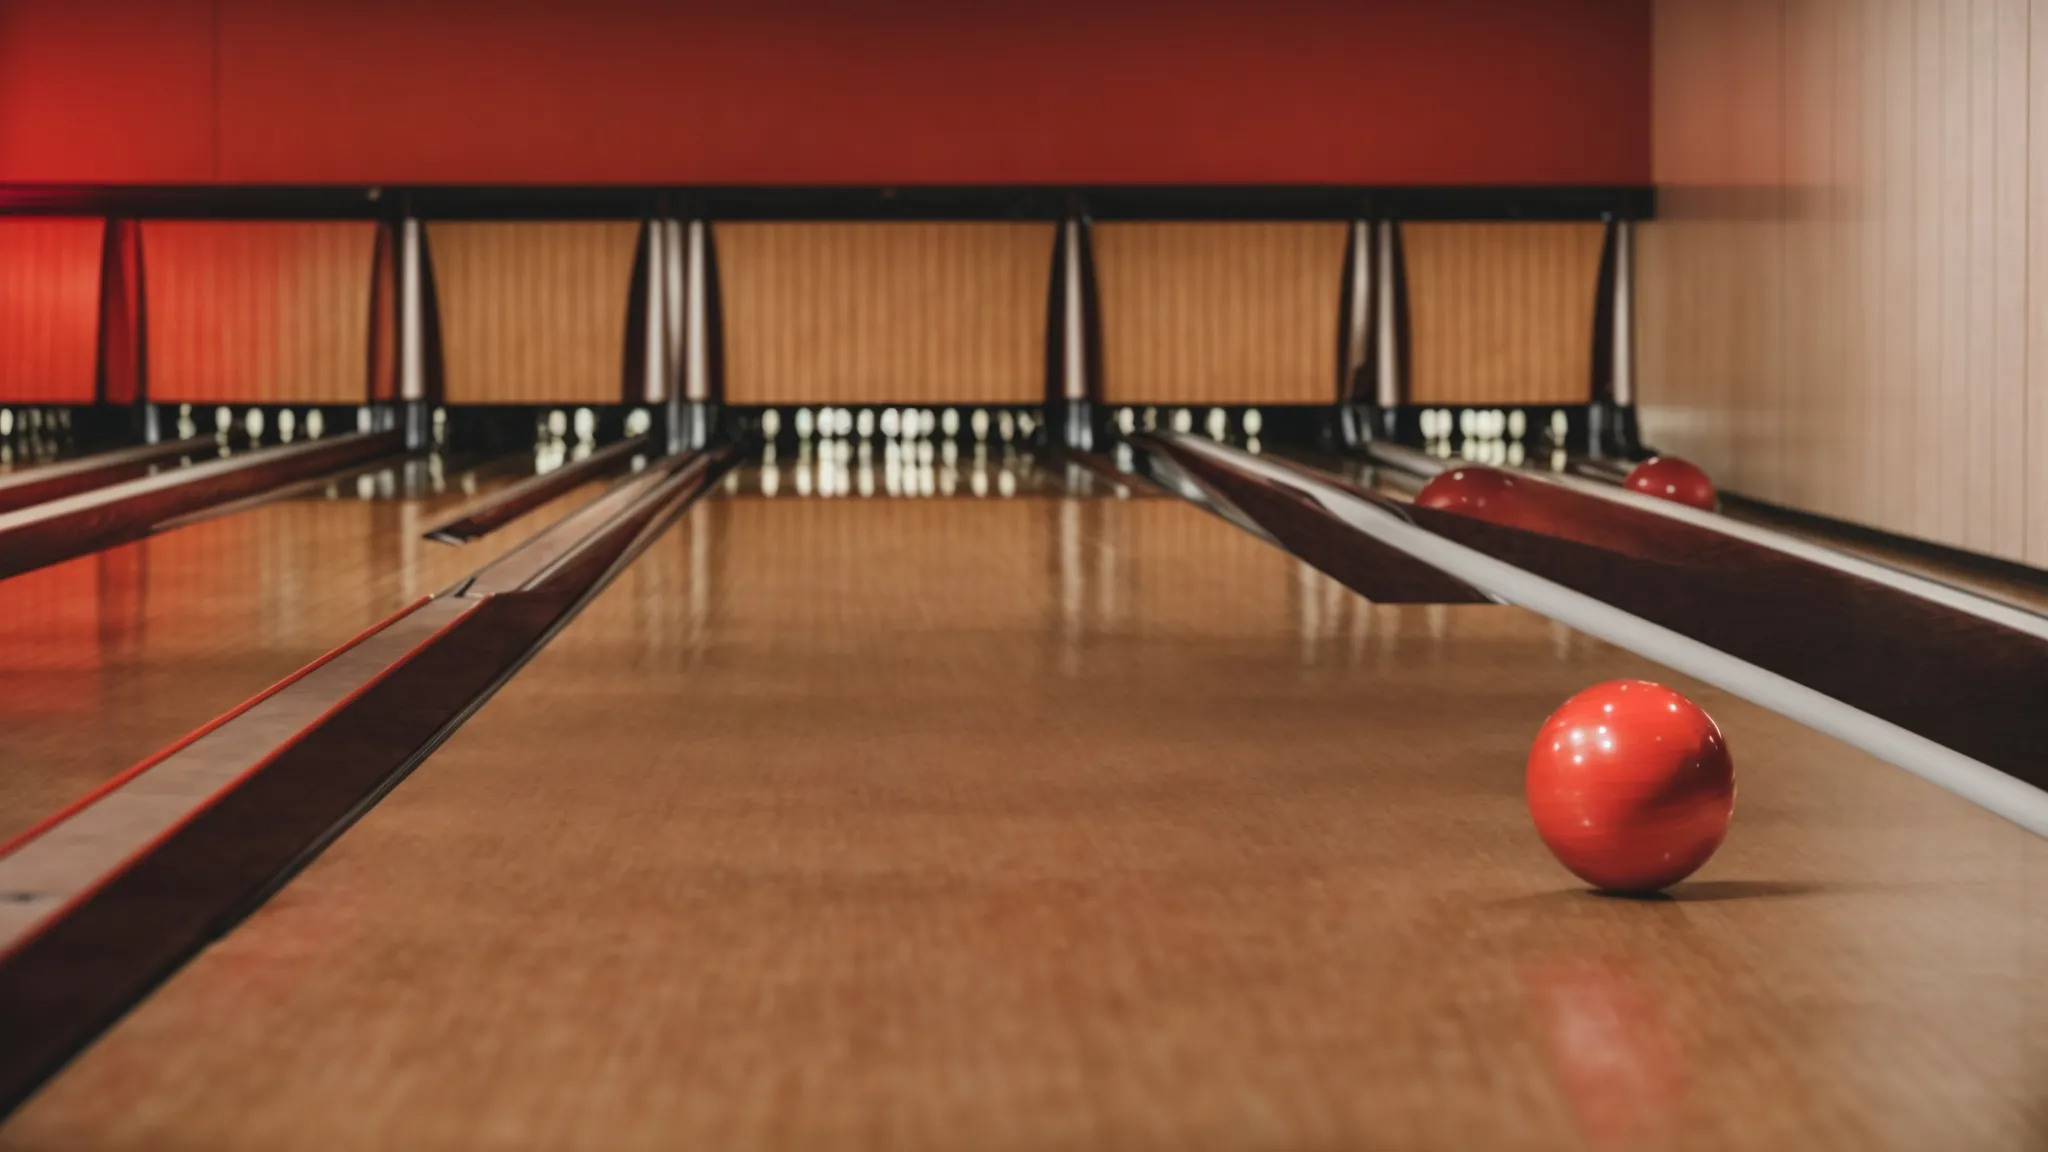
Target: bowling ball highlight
<point>1631,786</point>
<point>1679,481</point>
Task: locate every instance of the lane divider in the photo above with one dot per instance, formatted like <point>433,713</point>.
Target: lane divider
<point>101,903</point>
<point>89,521</point>
<point>1944,594</point>
<point>1974,781</point>
<point>31,486</point>
<point>48,874</point>
<point>204,730</point>
<point>1947,595</point>
<point>1291,522</point>
<point>493,512</point>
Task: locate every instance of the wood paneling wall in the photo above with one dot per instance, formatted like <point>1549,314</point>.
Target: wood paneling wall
<point>884,313</point>
<point>534,312</point>
<point>274,313</point>
<point>1501,313</point>
<point>49,309</point>
<point>1844,304</point>
<point>1217,313</point>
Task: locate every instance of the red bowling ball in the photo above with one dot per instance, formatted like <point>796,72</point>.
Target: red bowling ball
<point>1497,497</point>
<point>1669,478</point>
<point>1485,493</point>
<point>1631,786</point>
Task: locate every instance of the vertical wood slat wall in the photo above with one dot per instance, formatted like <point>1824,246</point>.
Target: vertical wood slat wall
<point>49,309</point>
<point>1500,313</point>
<point>533,312</point>
<point>1219,313</point>
<point>247,312</point>
<point>1843,305</point>
<point>932,313</point>
<point>884,313</point>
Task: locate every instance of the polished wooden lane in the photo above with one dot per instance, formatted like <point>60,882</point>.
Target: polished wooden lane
<point>107,657</point>
<point>1052,823</point>
<point>897,468</point>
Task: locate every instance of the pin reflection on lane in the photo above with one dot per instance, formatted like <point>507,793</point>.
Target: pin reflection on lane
<point>35,435</point>
<point>840,468</point>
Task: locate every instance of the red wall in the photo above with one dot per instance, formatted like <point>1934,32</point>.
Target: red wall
<point>96,91</point>
<point>825,91</point>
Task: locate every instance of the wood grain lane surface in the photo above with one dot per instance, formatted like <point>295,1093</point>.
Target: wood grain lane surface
<point>1115,829</point>
<point>502,507</point>
<point>75,525</point>
<point>1373,570</point>
<point>1965,682</point>
<point>975,475</point>
<point>69,477</point>
<point>1100,473</point>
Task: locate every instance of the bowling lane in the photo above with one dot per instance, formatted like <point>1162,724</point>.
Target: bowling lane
<point>1051,823</point>
<point>108,657</point>
<point>893,468</point>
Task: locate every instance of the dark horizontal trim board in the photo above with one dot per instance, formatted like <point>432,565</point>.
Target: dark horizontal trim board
<point>966,202</point>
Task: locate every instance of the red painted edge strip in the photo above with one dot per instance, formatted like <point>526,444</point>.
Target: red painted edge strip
<point>192,813</point>
<point>170,750</point>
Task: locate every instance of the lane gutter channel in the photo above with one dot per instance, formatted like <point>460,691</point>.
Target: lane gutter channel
<point>1982,784</point>
<point>542,586</point>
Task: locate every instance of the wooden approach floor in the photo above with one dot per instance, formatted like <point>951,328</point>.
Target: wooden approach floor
<point>1060,823</point>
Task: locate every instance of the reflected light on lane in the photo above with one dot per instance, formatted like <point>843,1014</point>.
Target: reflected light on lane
<point>1611,1048</point>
